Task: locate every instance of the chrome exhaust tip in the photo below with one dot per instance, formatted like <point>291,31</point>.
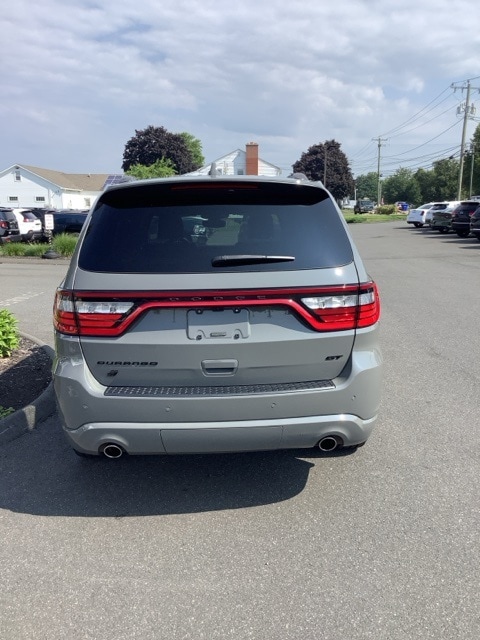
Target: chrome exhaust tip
<point>112,450</point>
<point>329,443</point>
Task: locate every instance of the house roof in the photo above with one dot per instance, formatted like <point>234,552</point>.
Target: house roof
<point>230,156</point>
<point>75,181</point>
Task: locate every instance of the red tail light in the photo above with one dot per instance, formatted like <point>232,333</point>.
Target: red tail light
<point>107,313</point>
<point>3,224</point>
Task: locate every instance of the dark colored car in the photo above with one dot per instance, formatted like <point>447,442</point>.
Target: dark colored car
<point>475,223</point>
<point>364,206</point>
<point>69,221</point>
<point>461,217</point>
<point>9,231</point>
<point>441,216</point>
<point>64,220</point>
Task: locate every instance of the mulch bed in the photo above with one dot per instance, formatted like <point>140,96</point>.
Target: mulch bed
<point>24,375</point>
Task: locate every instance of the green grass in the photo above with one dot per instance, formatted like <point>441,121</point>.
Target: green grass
<point>351,218</point>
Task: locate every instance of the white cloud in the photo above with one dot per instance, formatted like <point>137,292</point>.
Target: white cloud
<point>79,78</point>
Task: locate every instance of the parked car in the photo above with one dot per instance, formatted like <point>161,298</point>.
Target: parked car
<point>29,225</point>
<point>442,219</point>
<point>265,336</point>
<point>417,216</point>
<point>364,206</point>
<point>69,221</point>
<point>438,207</point>
<point>9,231</point>
<point>475,223</point>
<point>64,220</point>
<point>461,217</point>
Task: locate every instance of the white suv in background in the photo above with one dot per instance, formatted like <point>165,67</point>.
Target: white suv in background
<point>29,225</point>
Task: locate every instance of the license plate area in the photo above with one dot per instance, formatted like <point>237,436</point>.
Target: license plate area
<point>218,324</point>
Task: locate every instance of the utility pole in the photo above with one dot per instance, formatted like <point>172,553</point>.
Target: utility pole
<point>468,111</point>
<point>379,188</point>
<point>472,160</point>
<point>324,166</point>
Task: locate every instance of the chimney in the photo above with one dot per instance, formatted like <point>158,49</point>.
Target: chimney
<point>252,159</point>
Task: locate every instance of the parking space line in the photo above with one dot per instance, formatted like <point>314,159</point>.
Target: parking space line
<point>22,298</point>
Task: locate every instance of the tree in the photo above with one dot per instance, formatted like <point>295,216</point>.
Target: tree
<point>401,186</point>
<point>159,169</point>
<point>366,186</point>
<point>445,178</point>
<point>426,182</point>
<point>156,143</point>
<point>327,163</point>
<point>195,147</point>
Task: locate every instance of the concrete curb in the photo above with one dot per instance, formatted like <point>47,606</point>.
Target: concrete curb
<point>26,419</point>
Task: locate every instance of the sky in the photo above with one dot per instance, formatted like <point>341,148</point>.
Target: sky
<point>78,78</point>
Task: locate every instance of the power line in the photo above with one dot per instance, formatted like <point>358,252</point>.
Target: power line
<point>416,115</point>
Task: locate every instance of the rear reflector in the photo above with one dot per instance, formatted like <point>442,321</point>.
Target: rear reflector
<point>102,313</point>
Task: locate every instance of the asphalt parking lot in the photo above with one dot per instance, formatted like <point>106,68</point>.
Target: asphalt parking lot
<point>381,544</point>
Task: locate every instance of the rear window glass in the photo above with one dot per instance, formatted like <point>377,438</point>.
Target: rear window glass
<point>214,227</point>
<point>29,215</point>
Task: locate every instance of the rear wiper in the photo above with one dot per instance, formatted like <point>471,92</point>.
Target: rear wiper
<point>224,261</point>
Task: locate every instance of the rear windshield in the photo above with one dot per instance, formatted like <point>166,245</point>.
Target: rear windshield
<point>214,227</point>
<point>29,215</point>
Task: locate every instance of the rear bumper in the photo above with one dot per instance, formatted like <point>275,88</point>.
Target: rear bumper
<point>221,437</point>
<point>10,238</point>
<point>184,424</point>
<point>460,226</point>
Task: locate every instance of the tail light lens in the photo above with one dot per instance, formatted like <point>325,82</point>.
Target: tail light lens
<point>341,311</point>
<point>3,224</point>
<point>322,308</point>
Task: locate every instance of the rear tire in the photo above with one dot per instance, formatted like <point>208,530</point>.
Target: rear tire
<point>463,234</point>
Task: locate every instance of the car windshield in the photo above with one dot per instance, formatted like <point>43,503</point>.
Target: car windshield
<point>210,227</point>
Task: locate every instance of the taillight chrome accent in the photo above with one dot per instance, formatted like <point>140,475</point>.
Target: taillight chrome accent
<point>110,313</point>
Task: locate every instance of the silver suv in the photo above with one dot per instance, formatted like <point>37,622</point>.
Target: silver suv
<point>260,332</point>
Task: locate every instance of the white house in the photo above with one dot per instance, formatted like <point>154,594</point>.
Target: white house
<point>26,186</point>
<point>240,163</point>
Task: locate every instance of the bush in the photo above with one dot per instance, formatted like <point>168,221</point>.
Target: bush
<point>386,210</point>
<point>9,336</point>
<point>64,243</point>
